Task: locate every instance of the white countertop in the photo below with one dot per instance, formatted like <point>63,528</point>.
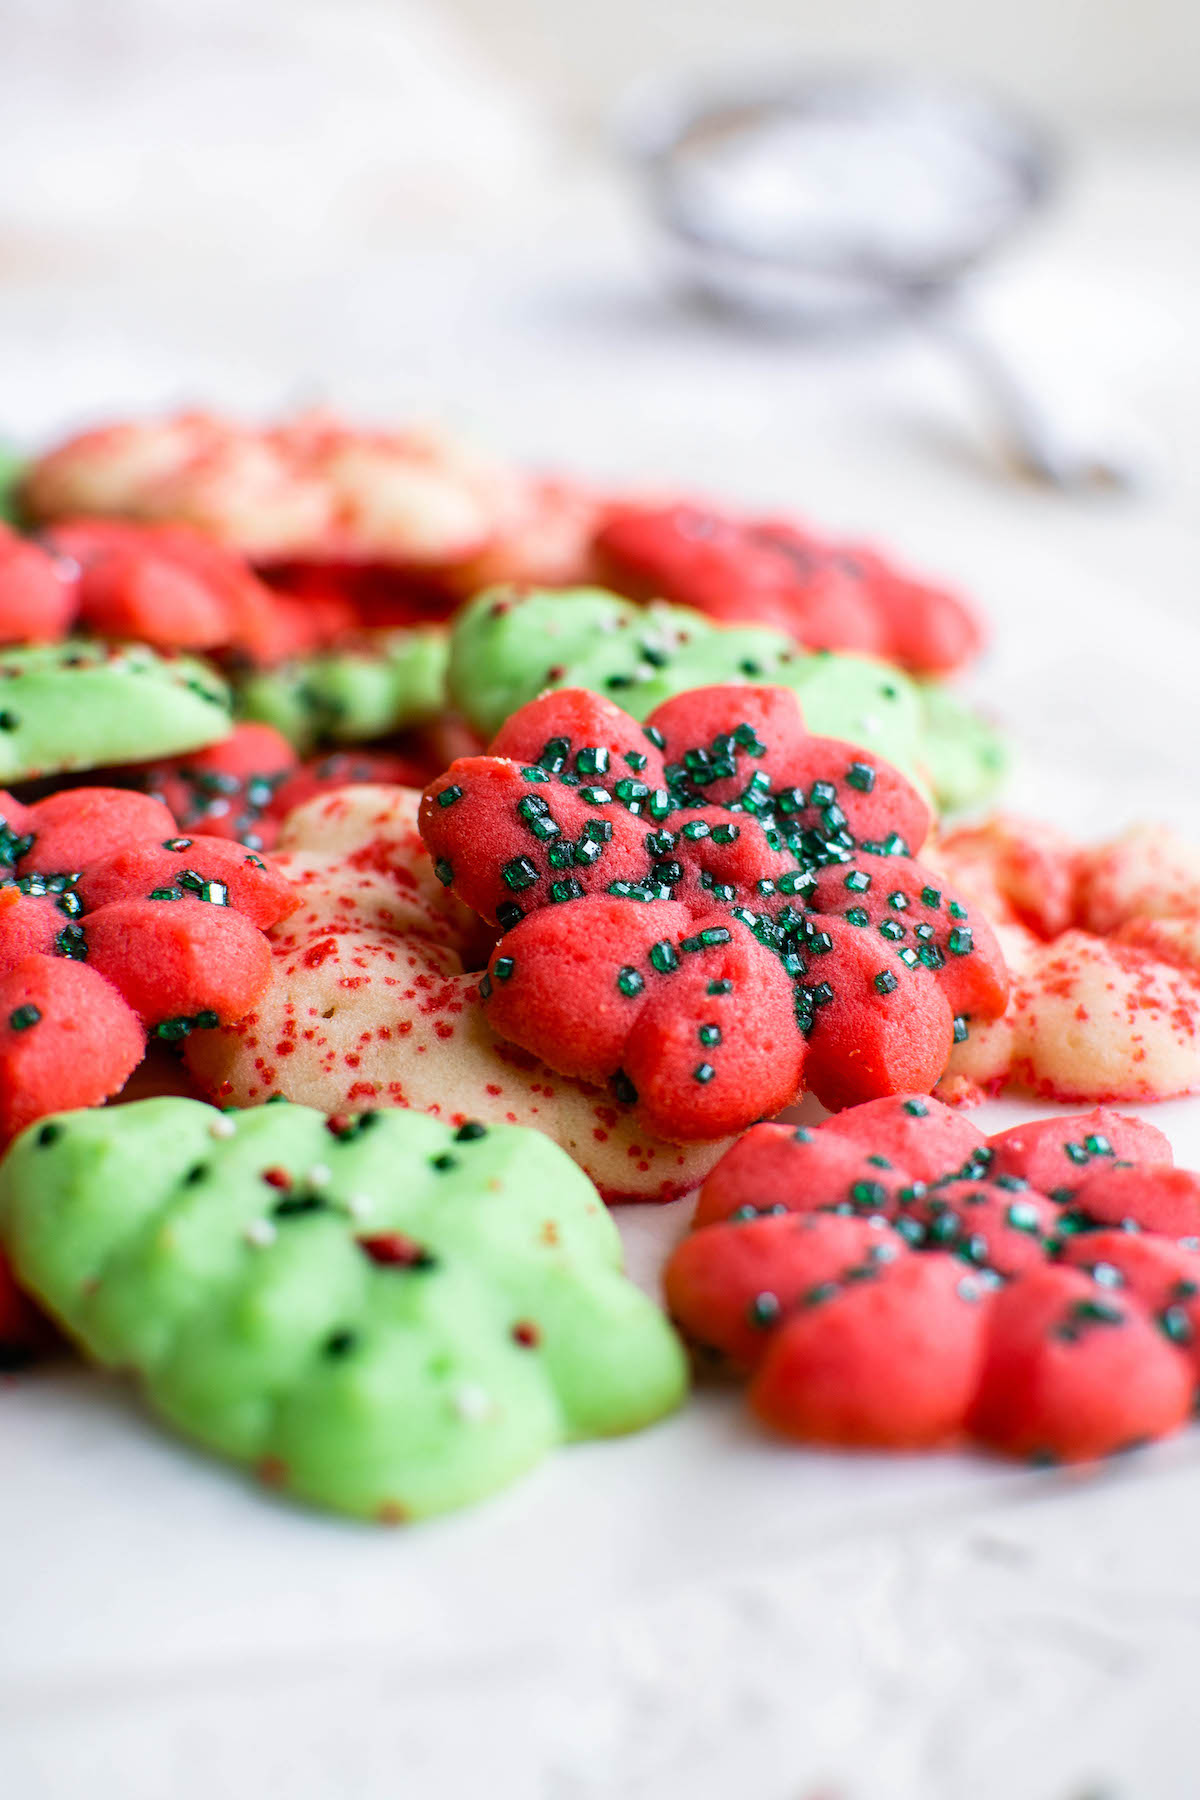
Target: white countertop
<point>695,1611</point>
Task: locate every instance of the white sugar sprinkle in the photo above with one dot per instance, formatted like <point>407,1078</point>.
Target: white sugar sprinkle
<point>320,1175</point>
<point>260,1233</point>
<point>359,1206</point>
<point>471,1402</point>
<point>221,1127</point>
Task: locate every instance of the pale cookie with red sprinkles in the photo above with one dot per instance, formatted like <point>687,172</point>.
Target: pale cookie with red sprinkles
<point>371,1005</point>
<point>312,488</point>
<point>1104,948</point>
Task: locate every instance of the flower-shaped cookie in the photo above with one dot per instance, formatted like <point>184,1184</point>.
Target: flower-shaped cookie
<point>112,924</point>
<point>164,585</point>
<point>891,1278</point>
<point>770,572</point>
<point>374,1311</point>
<point>315,490</point>
<point>84,703</point>
<point>244,786</point>
<point>713,911</point>
<point>374,1001</point>
<point>512,643</point>
<point>1104,947</point>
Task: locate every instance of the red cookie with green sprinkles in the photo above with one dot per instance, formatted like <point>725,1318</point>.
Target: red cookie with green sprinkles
<point>886,1279</point>
<point>112,926</point>
<point>772,572</point>
<point>244,786</point>
<point>712,912</point>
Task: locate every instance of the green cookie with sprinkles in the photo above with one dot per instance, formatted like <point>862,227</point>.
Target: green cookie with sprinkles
<point>86,704</point>
<point>713,911</point>
<point>376,1312</point>
<point>511,644</point>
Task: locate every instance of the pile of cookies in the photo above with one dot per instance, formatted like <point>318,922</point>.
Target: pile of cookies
<point>404,855</point>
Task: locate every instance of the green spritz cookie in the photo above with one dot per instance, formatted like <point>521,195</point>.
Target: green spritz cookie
<point>389,681</point>
<point>964,756</point>
<point>375,1311</point>
<point>87,704</point>
<point>506,647</point>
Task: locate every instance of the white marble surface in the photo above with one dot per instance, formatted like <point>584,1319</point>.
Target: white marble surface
<point>693,1612</point>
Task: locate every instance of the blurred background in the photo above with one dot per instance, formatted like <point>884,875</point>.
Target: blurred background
<point>268,201</point>
<point>1086,62</point>
<point>415,208</point>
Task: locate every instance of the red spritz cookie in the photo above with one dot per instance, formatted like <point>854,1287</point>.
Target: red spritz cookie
<point>892,1279</point>
<point>712,912</point>
<point>23,1330</point>
<point>244,786</point>
<point>112,924</point>
<point>164,585</point>
<point>770,572</point>
<point>374,1001</point>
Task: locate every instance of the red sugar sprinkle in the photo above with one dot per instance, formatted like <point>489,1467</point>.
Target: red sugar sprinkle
<point>392,1249</point>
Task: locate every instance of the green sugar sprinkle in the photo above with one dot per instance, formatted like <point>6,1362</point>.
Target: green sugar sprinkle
<point>763,1310</point>
<point>173,1031</point>
<point>517,874</point>
<point>624,1089</point>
